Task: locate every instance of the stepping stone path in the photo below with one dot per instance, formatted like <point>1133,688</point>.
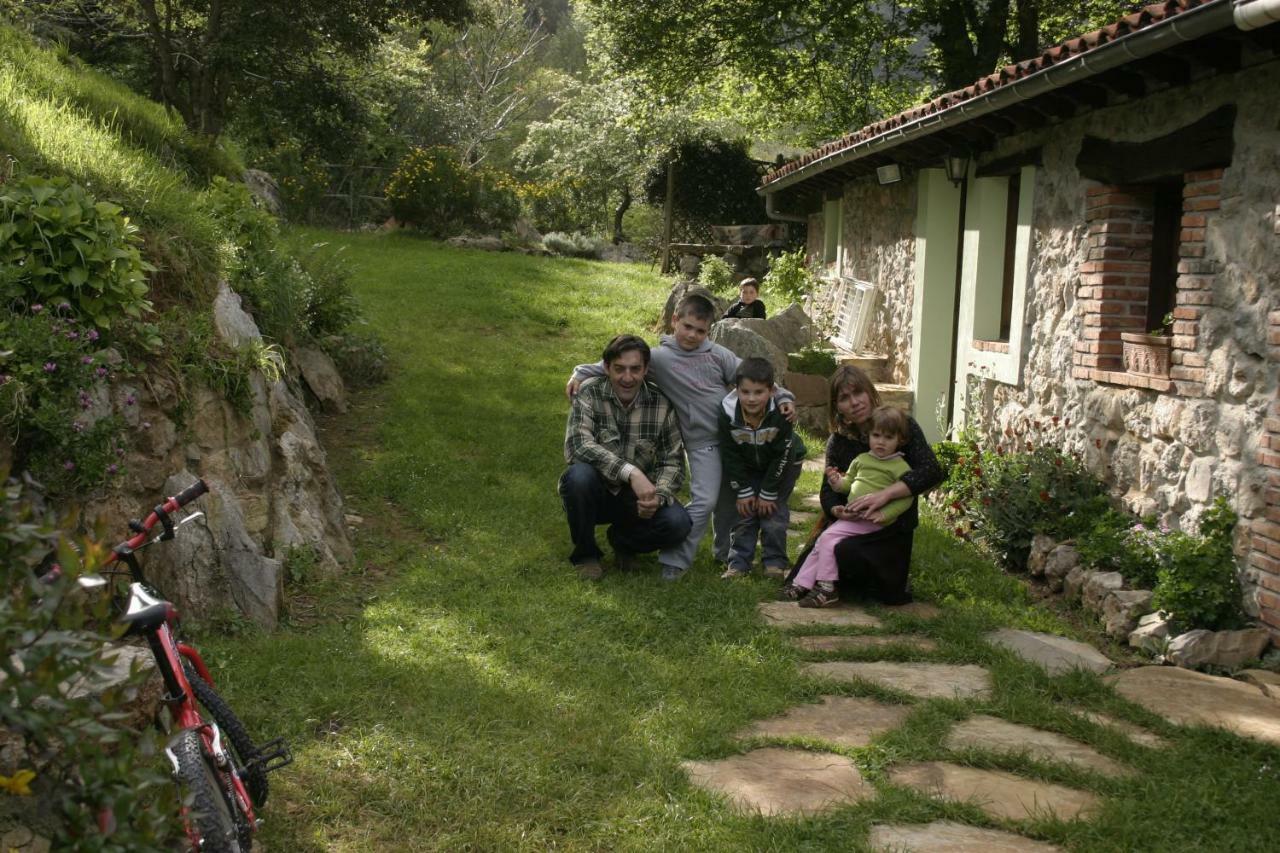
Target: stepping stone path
<point>917,609</point>
<point>1194,698</point>
<point>841,720</point>
<point>1264,679</point>
<point>993,734</point>
<point>1056,655</point>
<point>922,680</point>
<point>787,613</point>
<point>1137,734</point>
<point>774,781</point>
<point>802,519</point>
<point>944,836</point>
<point>812,464</point>
<point>864,641</point>
<point>1000,795</point>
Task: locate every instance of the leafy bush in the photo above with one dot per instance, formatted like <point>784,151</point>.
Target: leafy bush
<point>68,247</point>
<point>1004,497</point>
<point>1197,582</point>
<point>574,245</point>
<point>54,400</point>
<point>788,279</point>
<point>556,205</point>
<point>715,183</point>
<point>93,783</point>
<point>359,356</point>
<point>819,362</point>
<point>1119,543</point>
<point>716,275</point>
<point>434,191</point>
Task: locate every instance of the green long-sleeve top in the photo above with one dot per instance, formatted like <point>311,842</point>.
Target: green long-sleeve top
<point>752,455</point>
<point>868,473</point>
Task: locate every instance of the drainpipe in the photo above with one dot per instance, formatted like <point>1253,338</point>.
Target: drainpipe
<point>773,213</point>
<point>1252,14</point>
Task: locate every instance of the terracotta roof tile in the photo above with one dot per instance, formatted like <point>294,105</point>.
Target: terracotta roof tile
<point>1008,74</point>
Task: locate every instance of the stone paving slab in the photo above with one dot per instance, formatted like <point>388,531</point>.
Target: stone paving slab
<point>1264,679</point>
<point>864,641</point>
<point>1054,654</point>
<point>803,518</point>
<point>945,836</point>
<point>1135,733</point>
<point>841,720</point>
<point>922,680</point>
<point>813,500</point>
<point>918,609</point>
<point>993,734</point>
<point>1194,698</point>
<point>813,463</point>
<point>787,613</point>
<point>775,781</point>
<point>1000,795</point>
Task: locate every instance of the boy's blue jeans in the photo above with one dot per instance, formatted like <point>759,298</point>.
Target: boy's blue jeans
<point>771,531</point>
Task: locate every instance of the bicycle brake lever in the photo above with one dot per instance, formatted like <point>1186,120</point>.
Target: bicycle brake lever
<point>192,517</point>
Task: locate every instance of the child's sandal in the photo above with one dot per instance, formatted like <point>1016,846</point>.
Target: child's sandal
<point>819,597</point>
<point>791,592</point>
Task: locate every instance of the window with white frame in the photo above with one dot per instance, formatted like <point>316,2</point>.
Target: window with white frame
<point>852,304</point>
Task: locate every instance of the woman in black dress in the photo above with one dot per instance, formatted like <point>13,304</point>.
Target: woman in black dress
<point>877,564</point>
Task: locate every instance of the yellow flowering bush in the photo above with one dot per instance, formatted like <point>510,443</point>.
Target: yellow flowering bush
<point>432,190</point>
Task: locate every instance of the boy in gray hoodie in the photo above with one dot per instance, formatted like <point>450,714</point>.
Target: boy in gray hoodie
<point>694,374</point>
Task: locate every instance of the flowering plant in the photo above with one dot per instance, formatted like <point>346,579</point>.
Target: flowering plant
<point>54,409</point>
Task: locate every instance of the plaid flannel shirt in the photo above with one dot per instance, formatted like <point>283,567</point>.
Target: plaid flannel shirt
<point>606,435</point>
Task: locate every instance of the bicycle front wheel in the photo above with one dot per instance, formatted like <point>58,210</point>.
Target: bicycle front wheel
<point>255,778</point>
<point>211,816</point>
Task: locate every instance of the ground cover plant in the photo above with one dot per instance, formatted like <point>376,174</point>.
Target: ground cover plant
<point>462,689</point>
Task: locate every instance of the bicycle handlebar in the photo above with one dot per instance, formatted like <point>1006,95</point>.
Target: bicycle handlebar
<point>158,515</point>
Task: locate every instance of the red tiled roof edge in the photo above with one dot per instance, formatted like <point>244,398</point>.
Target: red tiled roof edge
<point>1131,23</point>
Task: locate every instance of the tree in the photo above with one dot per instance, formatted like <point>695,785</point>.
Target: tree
<point>203,55</point>
<point>829,65</point>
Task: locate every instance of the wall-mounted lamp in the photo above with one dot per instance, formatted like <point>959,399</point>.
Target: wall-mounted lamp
<point>889,174</point>
<point>957,168</point>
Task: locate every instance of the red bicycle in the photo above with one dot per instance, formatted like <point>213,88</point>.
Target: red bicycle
<point>222,771</point>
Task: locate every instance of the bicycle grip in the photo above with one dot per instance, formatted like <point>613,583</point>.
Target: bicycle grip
<point>190,493</point>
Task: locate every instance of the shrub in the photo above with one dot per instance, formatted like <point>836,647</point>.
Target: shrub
<point>819,362</point>
<point>1197,582</point>
<point>1004,497</point>
<point>1118,543</point>
<point>434,191</point>
<point>715,183</point>
<point>716,275</point>
<point>574,245</point>
<point>94,784</point>
<point>788,279</point>
<point>68,247</point>
<point>54,400</point>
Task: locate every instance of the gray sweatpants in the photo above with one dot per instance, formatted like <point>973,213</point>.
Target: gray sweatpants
<point>704,505</point>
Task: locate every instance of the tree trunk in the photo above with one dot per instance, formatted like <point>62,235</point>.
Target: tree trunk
<point>1028,45</point>
<point>960,22</point>
<point>624,204</point>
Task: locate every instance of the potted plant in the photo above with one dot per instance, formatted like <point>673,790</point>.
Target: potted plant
<point>1147,353</point>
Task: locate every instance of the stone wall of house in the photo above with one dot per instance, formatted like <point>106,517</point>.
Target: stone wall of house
<point>880,247</point>
<point>1170,450</point>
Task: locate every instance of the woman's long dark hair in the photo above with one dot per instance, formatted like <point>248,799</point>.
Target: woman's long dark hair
<point>856,380</point>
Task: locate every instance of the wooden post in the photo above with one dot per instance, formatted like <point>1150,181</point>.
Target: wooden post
<point>666,216</point>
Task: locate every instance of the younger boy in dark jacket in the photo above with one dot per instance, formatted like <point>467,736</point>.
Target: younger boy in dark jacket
<point>748,305</point>
<point>761,456</point>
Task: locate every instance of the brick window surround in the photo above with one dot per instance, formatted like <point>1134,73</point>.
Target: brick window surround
<point>1264,540</point>
<point>1115,282</point>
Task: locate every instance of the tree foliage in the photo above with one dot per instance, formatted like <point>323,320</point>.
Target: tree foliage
<point>715,183</point>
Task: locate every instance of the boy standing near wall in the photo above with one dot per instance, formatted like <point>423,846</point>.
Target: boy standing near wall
<point>694,373</point>
<point>762,458</point>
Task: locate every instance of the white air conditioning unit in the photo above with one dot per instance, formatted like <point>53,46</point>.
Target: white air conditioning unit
<point>852,304</point>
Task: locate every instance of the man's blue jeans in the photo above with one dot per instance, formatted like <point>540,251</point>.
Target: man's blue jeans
<point>588,503</point>
<point>771,531</point>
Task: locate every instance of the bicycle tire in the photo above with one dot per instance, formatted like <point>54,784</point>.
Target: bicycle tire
<point>211,814</point>
<point>242,745</point>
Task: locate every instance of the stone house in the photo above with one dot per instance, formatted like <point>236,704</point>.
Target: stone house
<point>1025,232</point>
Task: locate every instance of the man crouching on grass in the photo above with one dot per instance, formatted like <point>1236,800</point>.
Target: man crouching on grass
<point>626,463</point>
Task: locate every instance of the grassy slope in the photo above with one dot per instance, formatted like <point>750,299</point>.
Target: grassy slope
<point>463,690</point>
<point>59,118</point>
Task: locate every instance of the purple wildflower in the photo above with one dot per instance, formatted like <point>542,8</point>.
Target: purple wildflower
<point>72,336</point>
<point>88,359</point>
<point>64,306</point>
<point>50,367</point>
<point>69,465</point>
<point>37,308</point>
<point>130,400</point>
<point>146,424</point>
<point>101,372</point>
<point>4,377</point>
<point>112,468</point>
<point>78,426</point>
<point>92,334</point>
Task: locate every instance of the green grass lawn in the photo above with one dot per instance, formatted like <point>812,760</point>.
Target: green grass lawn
<point>460,688</point>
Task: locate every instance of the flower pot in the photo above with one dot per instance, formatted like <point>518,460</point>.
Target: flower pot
<point>1146,355</point>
